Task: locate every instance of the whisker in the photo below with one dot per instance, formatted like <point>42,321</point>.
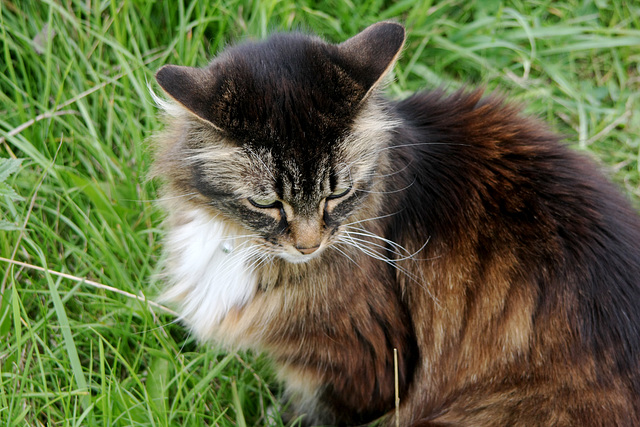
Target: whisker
<point>342,252</point>
<point>385,248</point>
<point>162,326</point>
<point>374,218</point>
<point>259,258</point>
<point>368,251</point>
<point>389,192</point>
<point>162,199</point>
<point>410,255</point>
<point>393,264</point>
<point>185,342</point>
<point>262,260</point>
<point>386,175</point>
<point>392,147</point>
<point>241,236</point>
<point>364,232</point>
<point>239,253</point>
<point>375,153</point>
<point>252,265</point>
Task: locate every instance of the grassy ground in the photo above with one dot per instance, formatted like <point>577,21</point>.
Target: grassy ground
<point>78,212</point>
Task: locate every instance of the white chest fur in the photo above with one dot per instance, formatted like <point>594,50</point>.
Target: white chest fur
<point>209,271</point>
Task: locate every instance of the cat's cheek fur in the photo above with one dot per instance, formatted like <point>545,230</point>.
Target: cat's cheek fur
<point>209,271</point>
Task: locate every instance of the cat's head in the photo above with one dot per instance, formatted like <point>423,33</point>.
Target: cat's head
<point>281,137</point>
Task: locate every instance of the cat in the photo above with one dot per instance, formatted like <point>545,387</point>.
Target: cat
<point>312,219</point>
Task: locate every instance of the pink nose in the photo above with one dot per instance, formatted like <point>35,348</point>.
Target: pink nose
<point>307,251</point>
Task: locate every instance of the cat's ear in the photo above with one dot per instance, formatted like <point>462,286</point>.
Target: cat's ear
<point>191,87</point>
<point>372,53</point>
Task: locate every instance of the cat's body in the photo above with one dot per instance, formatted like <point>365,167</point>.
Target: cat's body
<point>315,221</point>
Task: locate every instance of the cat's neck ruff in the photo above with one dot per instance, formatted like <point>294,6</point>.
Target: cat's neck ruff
<point>211,270</point>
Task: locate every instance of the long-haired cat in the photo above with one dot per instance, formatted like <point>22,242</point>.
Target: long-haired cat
<point>314,220</point>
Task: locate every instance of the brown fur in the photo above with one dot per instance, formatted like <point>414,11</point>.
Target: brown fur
<point>513,300</point>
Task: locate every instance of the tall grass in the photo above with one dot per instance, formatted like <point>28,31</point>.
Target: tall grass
<point>78,212</point>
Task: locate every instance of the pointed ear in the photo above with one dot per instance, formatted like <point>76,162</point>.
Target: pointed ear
<point>191,87</point>
<point>372,53</point>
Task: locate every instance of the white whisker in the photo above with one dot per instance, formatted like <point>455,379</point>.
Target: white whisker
<point>366,233</point>
<point>410,255</point>
<point>335,246</point>
<point>374,218</point>
<point>418,144</point>
<point>384,248</point>
<point>257,259</point>
<point>347,240</point>
<point>262,260</point>
<point>161,199</point>
<point>376,153</point>
<point>180,196</point>
<point>391,191</point>
<point>386,175</point>
<point>239,253</point>
<point>241,236</point>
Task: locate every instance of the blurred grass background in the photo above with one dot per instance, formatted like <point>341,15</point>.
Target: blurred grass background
<point>74,106</point>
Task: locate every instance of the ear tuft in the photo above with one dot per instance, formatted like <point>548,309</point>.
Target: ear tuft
<point>190,86</point>
<point>373,52</point>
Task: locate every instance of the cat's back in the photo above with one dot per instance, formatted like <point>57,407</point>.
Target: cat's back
<point>527,216</point>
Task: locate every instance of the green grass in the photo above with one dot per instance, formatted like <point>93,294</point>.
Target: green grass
<point>76,109</point>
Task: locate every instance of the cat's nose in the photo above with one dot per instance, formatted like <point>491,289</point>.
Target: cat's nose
<point>307,251</point>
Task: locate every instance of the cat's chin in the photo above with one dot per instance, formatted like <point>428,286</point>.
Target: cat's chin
<point>300,258</point>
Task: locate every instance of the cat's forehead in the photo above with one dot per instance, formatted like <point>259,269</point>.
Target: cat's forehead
<point>293,177</point>
<point>300,171</point>
<point>287,89</point>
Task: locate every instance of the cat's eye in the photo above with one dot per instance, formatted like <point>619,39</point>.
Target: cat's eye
<point>263,203</point>
<point>339,192</point>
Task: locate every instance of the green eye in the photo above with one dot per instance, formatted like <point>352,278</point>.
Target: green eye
<point>339,192</point>
<point>263,203</point>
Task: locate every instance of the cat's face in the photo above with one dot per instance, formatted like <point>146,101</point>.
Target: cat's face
<point>293,205</point>
<point>281,138</point>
